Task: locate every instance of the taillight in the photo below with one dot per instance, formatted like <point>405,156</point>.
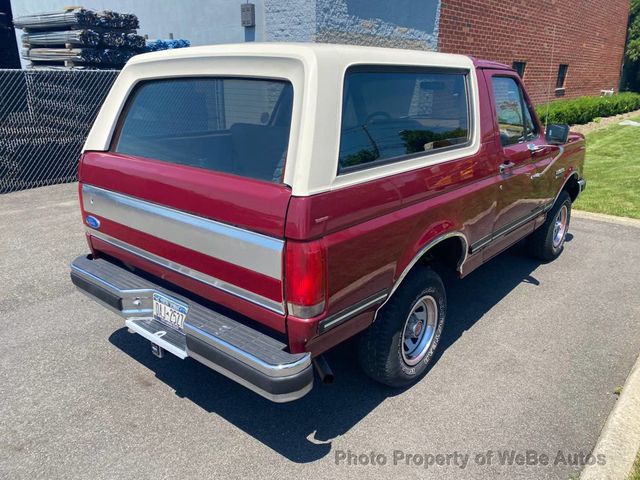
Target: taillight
<point>305,278</point>
<point>84,216</point>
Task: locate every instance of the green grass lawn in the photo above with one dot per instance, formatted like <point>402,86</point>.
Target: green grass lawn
<point>635,471</point>
<point>612,170</point>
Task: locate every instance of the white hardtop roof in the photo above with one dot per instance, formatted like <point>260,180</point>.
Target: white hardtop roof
<point>338,53</point>
<point>316,72</point>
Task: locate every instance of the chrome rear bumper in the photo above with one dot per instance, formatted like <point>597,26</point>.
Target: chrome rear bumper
<point>239,352</point>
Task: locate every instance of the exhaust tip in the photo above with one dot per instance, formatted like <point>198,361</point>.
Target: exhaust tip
<point>327,379</point>
<point>324,370</point>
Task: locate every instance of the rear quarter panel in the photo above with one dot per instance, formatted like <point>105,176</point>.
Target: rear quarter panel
<point>373,231</point>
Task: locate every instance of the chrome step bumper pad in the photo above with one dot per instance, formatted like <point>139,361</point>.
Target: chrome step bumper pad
<point>239,352</point>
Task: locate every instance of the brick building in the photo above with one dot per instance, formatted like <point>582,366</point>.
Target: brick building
<point>563,48</point>
<point>580,40</point>
<point>575,45</point>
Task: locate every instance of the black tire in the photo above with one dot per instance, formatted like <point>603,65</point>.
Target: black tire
<point>540,243</point>
<point>381,348</point>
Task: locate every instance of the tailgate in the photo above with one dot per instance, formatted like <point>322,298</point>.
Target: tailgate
<point>225,233</point>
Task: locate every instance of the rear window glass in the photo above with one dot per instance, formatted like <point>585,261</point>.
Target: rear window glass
<point>231,125</point>
<point>389,115</point>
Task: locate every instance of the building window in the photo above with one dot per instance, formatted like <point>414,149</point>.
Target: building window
<point>562,75</point>
<point>519,68</point>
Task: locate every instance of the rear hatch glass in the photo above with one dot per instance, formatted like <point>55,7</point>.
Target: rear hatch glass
<point>231,125</point>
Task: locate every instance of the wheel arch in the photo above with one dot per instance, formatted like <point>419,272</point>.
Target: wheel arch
<point>571,186</point>
<point>451,247</point>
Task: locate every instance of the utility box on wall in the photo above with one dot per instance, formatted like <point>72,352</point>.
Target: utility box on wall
<point>248,15</point>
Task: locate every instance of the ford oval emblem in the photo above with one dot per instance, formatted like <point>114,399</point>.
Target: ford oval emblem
<point>93,222</point>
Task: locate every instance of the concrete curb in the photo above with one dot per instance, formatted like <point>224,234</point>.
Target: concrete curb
<point>603,217</point>
<point>620,438</point>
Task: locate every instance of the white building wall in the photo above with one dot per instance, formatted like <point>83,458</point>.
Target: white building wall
<point>203,22</point>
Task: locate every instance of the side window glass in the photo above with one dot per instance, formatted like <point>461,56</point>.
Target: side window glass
<point>511,120</point>
<point>389,115</point>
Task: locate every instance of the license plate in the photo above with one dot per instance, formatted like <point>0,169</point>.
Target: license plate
<point>169,311</point>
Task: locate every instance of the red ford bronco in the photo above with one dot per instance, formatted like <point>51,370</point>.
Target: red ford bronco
<point>251,206</point>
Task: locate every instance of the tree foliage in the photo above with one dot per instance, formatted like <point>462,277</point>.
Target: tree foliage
<point>633,44</point>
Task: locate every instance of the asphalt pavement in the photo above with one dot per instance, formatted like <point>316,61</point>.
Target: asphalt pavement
<point>529,362</point>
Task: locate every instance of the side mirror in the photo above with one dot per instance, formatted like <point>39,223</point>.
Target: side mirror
<point>557,134</point>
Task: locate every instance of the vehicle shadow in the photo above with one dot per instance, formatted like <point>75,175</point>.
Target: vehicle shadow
<point>483,289</point>
<point>302,431</point>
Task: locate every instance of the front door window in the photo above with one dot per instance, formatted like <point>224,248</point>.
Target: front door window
<point>515,121</point>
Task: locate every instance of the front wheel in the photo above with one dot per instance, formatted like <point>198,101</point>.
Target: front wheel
<point>547,242</point>
<point>397,349</point>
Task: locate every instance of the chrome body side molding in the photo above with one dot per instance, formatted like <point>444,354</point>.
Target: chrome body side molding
<point>507,229</point>
<point>483,242</point>
<point>226,287</point>
<point>250,250</point>
<point>350,312</point>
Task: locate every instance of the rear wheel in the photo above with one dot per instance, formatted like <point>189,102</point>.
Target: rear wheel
<point>397,349</point>
<point>547,242</point>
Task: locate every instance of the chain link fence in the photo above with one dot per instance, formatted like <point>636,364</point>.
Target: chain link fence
<point>45,117</point>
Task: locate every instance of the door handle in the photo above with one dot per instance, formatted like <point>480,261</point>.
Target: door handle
<point>535,149</point>
<point>535,176</point>
<point>506,166</point>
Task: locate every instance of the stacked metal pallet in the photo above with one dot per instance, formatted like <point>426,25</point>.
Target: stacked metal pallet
<point>78,37</point>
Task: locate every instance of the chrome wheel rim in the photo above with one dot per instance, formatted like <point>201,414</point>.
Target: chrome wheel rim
<point>419,330</point>
<point>560,226</point>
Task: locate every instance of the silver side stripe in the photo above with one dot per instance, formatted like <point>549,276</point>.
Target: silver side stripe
<point>239,292</point>
<point>237,246</point>
<point>343,315</point>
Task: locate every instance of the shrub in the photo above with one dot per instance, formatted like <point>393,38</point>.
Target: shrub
<point>585,109</point>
